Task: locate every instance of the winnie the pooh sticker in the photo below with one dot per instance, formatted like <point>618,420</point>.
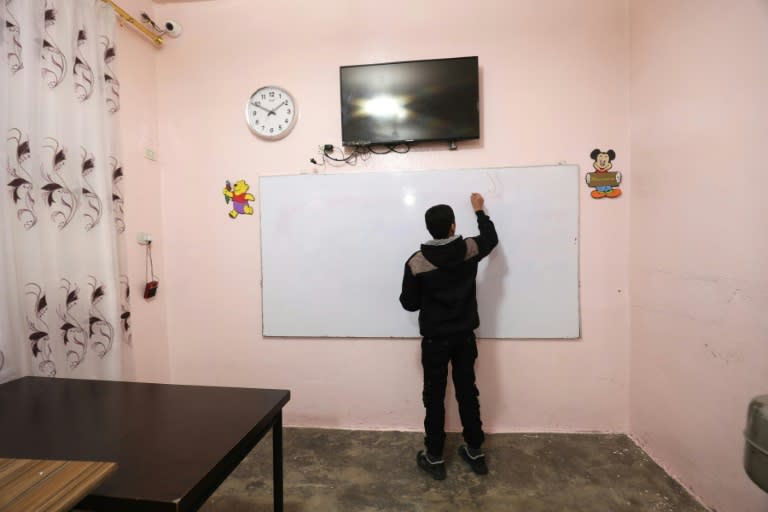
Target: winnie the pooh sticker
<point>240,198</point>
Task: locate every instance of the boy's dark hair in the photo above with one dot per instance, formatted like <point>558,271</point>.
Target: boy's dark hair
<point>439,219</point>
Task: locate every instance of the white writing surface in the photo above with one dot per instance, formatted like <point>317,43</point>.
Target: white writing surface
<point>334,248</point>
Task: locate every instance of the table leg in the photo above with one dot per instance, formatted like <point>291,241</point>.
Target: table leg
<point>277,460</point>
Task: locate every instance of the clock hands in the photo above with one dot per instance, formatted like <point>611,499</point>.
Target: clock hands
<point>269,112</point>
<point>278,107</point>
<point>272,112</point>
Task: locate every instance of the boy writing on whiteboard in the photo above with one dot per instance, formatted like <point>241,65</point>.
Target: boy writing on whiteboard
<point>439,282</point>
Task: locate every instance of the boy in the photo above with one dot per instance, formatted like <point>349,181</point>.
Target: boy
<point>439,280</point>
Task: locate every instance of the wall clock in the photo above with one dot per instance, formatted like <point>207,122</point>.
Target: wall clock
<point>271,112</point>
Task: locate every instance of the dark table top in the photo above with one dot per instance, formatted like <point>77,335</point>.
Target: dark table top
<point>170,442</point>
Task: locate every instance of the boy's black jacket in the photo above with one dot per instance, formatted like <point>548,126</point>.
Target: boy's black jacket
<point>439,281</point>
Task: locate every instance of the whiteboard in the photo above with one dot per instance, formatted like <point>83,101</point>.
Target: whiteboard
<point>334,246</point>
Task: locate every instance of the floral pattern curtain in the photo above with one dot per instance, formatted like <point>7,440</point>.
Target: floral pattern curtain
<point>65,310</point>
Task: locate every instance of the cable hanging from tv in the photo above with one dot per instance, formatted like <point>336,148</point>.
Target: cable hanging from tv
<point>362,152</point>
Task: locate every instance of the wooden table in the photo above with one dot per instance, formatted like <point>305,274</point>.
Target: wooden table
<point>48,485</point>
<point>173,445</point>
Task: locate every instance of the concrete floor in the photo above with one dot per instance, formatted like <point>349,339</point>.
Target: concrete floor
<point>362,471</point>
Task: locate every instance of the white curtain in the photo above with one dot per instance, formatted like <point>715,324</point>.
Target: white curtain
<point>64,309</point>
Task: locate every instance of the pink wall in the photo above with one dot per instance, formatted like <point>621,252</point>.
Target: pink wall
<point>554,86</point>
<point>556,82</point>
<point>148,360</point>
<point>699,238</point>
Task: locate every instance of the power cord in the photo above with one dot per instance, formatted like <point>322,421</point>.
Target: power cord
<point>150,289</point>
<point>350,159</point>
<point>392,148</point>
<point>361,152</point>
<point>149,21</point>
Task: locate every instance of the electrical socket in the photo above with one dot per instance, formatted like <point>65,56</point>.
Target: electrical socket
<point>144,238</point>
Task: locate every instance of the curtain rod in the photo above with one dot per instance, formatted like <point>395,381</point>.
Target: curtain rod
<point>158,40</point>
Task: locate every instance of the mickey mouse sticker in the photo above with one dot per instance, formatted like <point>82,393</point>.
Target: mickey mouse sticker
<point>603,180</point>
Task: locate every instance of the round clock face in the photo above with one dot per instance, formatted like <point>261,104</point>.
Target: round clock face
<point>271,112</point>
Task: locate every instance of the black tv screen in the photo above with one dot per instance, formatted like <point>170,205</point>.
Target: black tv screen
<point>424,100</point>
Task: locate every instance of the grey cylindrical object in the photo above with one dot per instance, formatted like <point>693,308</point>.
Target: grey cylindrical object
<point>756,446</point>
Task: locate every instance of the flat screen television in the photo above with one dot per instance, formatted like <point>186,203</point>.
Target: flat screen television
<point>413,101</point>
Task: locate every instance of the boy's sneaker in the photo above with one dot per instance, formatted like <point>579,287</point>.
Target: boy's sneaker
<point>435,467</point>
<point>475,459</point>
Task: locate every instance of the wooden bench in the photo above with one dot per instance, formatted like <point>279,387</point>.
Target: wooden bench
<point>48,485</point>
